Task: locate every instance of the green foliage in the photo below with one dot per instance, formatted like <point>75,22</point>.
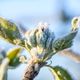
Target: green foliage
<point>13,55</point>
<point>10,32</point>
<point>64,42</point>
<point>10,60</point>
<point>40,37</point>
<point>39,42</point>
<point>14,62</point>
<point>60,73</point>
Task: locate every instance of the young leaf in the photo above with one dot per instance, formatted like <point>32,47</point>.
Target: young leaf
<point>64,42</point>
<point>59,73</point>
<point>14,63</point>
<point>10,32</point>
<point>13,55</point>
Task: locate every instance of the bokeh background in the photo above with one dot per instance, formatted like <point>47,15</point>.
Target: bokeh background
<point>58,13</point>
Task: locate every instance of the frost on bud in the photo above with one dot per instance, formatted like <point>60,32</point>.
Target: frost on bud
<point>42,35</point>
<point>37,37</point>
<point>39,41</point>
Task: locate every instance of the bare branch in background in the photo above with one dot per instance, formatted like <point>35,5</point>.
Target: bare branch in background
<point>71,54</point>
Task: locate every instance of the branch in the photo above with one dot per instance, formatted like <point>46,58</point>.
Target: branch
<point>71,54</point>
<point>31,71</point>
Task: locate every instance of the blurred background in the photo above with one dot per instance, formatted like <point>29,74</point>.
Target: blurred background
<point>58,13</point>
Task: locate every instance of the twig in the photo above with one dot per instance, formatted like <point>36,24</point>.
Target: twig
<point>71,54</point>
<point>31,72</point>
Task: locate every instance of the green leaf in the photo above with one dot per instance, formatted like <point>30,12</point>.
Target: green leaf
<point>59,73</point>
<point>13,55</point>
<point>10,32</point>
<point>14,62</point>
<point>64,42</point>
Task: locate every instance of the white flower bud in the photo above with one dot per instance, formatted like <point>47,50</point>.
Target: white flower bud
<point>42,35</point>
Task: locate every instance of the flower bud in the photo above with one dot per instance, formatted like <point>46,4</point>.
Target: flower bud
<point>42,35</point>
